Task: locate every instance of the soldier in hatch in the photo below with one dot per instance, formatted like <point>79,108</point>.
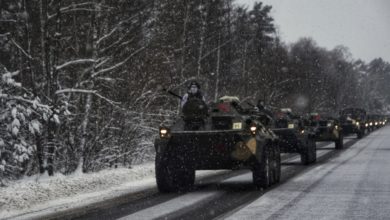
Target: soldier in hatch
<point>262,108</point>
<point>193,92</point>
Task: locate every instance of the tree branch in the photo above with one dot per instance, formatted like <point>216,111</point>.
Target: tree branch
<point>21,49</point>
<point>118,64</point>
<point>74,62</point>
<point>93,92</point>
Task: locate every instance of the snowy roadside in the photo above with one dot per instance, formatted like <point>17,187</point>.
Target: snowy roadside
<point>39,197</point>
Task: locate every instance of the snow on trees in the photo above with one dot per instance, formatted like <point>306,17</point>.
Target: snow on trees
<point>81,82</point>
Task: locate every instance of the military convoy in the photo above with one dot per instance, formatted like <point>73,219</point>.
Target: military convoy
<point>226,135</point>
<point>375,121</point>
<point>357,121</point>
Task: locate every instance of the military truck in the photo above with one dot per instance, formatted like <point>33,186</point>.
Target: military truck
<point>222,135</point>
<point>295,136</point>
<point>326,128</point>
<point>354,121</point>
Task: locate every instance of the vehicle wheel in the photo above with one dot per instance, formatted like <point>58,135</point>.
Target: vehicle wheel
<point>262,170</point>
<point>360,134</point>
<point>339,143</point>
<point>309,154</point>
<point>277,164</point>
<point>172,177</point>
<point>273,165</point>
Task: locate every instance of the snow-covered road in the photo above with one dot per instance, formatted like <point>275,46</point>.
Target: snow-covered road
<point>354,185</point>
<point>349,184</point>
<point>212,198</point>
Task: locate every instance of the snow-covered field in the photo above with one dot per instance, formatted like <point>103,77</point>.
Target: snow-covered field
<point>41,195</point>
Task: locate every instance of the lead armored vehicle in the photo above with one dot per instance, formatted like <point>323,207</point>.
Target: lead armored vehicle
<point>221,135</point>
<point>295,136</point>
<point>327,128</point>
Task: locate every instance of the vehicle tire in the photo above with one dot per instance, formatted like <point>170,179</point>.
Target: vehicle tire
<point>274,163</point>
<point>261,172</point>
<point>339,143</point>
<point>360,134</point>
<point>277,164</point>
<point>172,175</point>
<point>309,154</point>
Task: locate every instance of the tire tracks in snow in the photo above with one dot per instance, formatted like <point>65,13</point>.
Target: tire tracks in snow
<point>235,199</point>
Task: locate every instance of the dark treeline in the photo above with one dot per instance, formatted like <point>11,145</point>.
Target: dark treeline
<point>80,86</point>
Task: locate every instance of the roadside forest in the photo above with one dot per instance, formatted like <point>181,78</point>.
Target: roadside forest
<point>81,82</point>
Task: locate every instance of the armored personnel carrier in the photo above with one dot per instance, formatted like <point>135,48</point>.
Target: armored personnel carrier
<point>327,128</point>
<point>221,135</point>
<point>354,121</point>
<point>295,136</point>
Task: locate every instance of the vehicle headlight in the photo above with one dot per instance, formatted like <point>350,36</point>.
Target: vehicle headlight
<point>164,132</point>
<point>357,123</point>
<point>370,123</point>
<point>366,124</point>
<point>253,129</point>
<point>337,127</point>
<point>376,123</point>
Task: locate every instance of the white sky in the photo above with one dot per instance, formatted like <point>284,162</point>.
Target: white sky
<point>361,25</point>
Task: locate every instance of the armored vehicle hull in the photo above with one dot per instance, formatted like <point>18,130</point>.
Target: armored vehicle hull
<point>328,129</point>
<point>226,138</point>
<point>354,121</point>
<point>291,141</point>
<point>295,137</point>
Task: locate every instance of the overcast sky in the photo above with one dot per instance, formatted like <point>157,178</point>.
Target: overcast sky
<point>361,25</point>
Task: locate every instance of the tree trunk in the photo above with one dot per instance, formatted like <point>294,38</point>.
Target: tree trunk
<point>216,94</point>
<point>51,146</point>
<point>183,43</point>
<point>202,39</point>
<point>40,157</point>
<point>84,133</point>
<point>244,72</point>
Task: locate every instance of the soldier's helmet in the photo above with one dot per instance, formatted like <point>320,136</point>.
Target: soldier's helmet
<point>193,83</point>
<point>193,87</point>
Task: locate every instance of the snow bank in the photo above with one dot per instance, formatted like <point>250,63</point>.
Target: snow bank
<point>40,196</point>
<point>34,193</point>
